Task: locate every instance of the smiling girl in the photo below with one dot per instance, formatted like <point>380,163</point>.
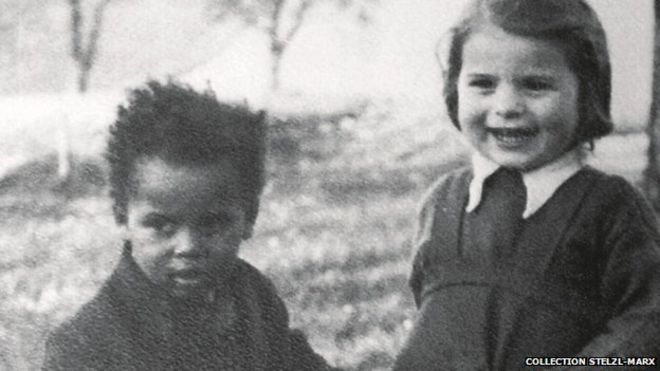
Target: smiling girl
<point>528,252</point>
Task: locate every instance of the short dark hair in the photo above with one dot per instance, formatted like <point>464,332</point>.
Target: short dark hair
<point>571,24</point>
<point>179,125</point>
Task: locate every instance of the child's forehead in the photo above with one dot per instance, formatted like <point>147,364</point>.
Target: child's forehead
<point>159,179</point>
<point>491,47</point>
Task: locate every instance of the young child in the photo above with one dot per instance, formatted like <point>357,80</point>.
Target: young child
<point>530,253</point>
<point>186,174</point>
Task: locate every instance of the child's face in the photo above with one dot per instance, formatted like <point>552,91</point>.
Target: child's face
<point>517,98</point>
<point>186,224</point>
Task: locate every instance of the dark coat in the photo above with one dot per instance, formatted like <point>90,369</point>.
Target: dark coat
<point>581,279</point>
<point>125,328</point>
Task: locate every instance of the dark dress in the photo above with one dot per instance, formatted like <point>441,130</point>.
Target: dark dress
<point>124,328</point>
<point>582,278</point>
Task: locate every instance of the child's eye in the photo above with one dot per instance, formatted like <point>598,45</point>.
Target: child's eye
<point>482,83</point>
<point>159,224</point>
<point>536,84</point>
<point>215,222</point>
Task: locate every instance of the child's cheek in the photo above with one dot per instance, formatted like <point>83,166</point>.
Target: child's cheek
<point>471,109</point>
<point>473,121</point>
<point>148,246</point>
<point>152,254</point>
<point>227,242</point>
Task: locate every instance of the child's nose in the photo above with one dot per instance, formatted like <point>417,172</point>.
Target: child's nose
<point>508,102</point>
<point>189,243</point>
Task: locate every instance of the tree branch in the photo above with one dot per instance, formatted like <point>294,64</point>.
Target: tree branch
<point>279,43</point>
<point>95,33</point>
<point>76,32</point>
<point>276,43</point>
<point>278,6</point>
<point>297,20</point>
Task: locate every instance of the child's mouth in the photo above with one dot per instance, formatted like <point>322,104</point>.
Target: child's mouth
<point>513,136</point>
<point>187,275</point>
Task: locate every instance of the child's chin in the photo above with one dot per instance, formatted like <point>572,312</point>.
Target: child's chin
<point>522,163</point>
<point>188,289</point>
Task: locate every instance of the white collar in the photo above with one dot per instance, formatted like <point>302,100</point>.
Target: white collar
<point>540,183</point>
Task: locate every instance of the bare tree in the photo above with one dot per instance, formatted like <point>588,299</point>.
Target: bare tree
<point>84,47</point>
<point>652,173</point>
<point>84,51</point>
<point>281,20</point>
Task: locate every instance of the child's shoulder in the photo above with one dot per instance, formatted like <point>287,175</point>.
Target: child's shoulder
<point>611,187</point>
<point>251,283</point>
<point>91,332</point>
<point>451,183</point>
<point>618,198</point>
<point>248,274</point>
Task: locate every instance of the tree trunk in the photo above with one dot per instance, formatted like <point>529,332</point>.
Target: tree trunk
<point>652,173</point>
<point>83,78</point>
<point>275,72</point>
<point>64,150</point>
<point>84,56</point>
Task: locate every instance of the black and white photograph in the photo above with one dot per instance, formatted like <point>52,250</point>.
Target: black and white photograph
<point>326,185</point>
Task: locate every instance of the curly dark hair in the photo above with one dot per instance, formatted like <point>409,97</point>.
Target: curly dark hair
<point>571,24</point>
<point>181,126</point>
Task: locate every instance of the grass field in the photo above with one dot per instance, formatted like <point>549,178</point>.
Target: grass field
<point>333,234</point>
<point>341,268</point>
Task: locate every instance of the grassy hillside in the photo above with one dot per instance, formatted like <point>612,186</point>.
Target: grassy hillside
<point>333,233</point>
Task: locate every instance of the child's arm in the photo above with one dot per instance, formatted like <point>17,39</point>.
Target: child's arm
<point>301,355</point>
<point>66,349</point>
<point>291,344</point>
<point>421,351</point>
<point>55,358</point>
<point>630,283</point>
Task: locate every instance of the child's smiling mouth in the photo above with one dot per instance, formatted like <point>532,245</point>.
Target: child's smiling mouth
<point>513,137</point>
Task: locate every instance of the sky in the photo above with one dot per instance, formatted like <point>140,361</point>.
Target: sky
<point>394,56</point>
<point>332,60</point>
